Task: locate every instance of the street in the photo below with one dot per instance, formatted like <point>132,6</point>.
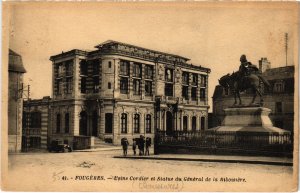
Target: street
<point>99,171</point>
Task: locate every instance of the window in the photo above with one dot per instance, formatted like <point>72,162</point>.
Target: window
<point>169,89</point>
<point>136,123</point>
<point>67,123</point>
<point>136,87</point>
<point>148,123</point>
<point>202,93</point>
<point>58,123</point>
<point>109,85</point>
<point>137,70</point>
<point>69,85</point>
<point>35,120</point>
<point>83,85</point>
<point>185,123</point>
<point>278,107</point>
<point>194,93</point>
<point>148,88</point>
<point>83,68</point>
<point>68,67</point>
<point>194,122</point>
<point>195,79</point>
<point>109,64</point>
<point>124,68</point>
<point>202,123</point>
<point>185,78</point>
<point>124,123</point>
<point>96,67</point>
<point>278,87</point>
<point>203,81</point>
<point>169,75</point>
<point>96,84</point>
<point>58,86</point>
<point>124,85</point>
<point>148,72</point>
<point>185,93</point>
<point>60,70</point>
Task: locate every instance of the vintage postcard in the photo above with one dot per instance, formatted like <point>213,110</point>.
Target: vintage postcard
<point>150,96</point>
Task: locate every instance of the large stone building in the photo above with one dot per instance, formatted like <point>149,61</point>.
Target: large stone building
<point>279,97</point>
<point>121,90</point>
<point>15,101</point>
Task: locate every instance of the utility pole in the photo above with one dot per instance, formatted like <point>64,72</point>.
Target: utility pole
<point>286,47</point>
<point>27,117</point>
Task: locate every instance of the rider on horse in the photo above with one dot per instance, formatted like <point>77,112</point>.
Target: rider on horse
<point>248,77</point>
<point>246,68</point>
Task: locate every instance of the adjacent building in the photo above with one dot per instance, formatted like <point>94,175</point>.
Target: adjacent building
<point>279,97</point>
<point>36,122</point>
<point>121,90</point>
<point>15,101</point>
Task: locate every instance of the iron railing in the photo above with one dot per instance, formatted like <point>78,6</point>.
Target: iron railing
<point>212,139</point>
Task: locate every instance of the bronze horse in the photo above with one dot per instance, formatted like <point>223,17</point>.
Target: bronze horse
<point>238,83</point>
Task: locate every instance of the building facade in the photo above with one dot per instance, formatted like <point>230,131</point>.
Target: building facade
<point>279,97</point>
<point>122,90</point>
<point>15,101</point>
<point>36,123</point>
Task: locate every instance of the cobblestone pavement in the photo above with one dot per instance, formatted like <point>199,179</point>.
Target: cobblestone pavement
<point>99,171</point>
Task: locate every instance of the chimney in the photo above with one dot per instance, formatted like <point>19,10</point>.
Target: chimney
<point>264,64</point>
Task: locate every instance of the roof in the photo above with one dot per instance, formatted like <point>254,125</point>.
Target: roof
<point>218,92</point>
<point>125,44</point>
<point>15,63</point>
<point>284,72</point>
<point>69,53</point>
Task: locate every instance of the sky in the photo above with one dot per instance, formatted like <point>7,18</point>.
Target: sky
<point>213,35</point>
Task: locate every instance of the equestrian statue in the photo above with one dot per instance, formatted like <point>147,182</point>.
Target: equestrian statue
<point>248,77</point>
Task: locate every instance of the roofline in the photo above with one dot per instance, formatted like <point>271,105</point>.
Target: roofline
<point>71,52</point>
<point>159,52</point>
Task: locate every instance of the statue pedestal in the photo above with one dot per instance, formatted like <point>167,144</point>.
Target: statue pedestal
<point>248,119</point>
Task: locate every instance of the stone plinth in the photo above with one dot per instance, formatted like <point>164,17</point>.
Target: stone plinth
<point>248,119</point>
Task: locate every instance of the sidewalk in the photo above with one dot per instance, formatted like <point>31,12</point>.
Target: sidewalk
<point>217,158</point>
<point>100,149</point>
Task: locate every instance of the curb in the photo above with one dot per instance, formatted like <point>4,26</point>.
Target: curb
<point>213,160</point>
<point>97,150</point>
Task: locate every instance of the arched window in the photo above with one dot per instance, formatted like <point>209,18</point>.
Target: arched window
<point>194,122</point>
<point>67,125</point>
<point>148,123</point>
<point>124,123</point>
<point>58,123</point>
<point>136,123</point>
<point>185,123</point>
<point>83,123</point>
<point>202,123</point>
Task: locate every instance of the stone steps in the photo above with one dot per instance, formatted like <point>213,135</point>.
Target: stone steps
<point>98,143</point>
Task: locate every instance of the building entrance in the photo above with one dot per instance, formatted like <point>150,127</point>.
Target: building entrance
<point>83,123</point>
<point>95,124</point>
<point>108,122</point>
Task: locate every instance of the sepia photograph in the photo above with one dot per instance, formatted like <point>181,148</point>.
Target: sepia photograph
<point>150,96</point>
